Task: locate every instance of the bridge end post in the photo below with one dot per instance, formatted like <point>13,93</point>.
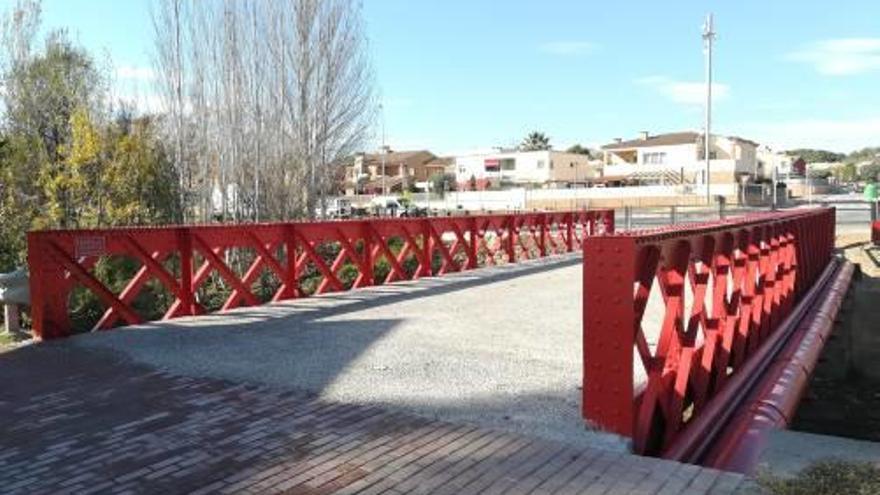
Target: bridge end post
<point>49,291</point>
<point>608,333</point>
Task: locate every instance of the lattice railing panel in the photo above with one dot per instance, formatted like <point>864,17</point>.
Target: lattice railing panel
<point>723,288</point>
<point>195,270</point>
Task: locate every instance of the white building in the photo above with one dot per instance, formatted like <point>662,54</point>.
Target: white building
<point>524,168</point>
<point>678,158</point>
<point>768,160</point>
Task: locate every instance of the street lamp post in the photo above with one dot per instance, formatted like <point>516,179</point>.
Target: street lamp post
<point>708,38</point>
<point>384,189</point>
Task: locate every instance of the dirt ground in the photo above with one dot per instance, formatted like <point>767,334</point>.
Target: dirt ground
<point>844,396</point>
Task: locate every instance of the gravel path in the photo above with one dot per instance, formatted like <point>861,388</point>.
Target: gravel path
<point>499,347</point>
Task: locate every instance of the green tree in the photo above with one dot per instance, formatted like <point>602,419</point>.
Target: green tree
<point>46,96</point>
<point>139,177</point>
<point>870,172</point>
<point>442,183</point>
<point>816,156</point>
<point>535,141</point>
<point>18,200</point>
<point>846,172</point>
<point>71,186</point>
<point>865,154</point>
<point>63,161</point>
<point>581,150</point>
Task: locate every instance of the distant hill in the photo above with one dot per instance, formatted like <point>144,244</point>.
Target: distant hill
<point>817,156</point>
<point>824,156</point>
<point>864,154</point>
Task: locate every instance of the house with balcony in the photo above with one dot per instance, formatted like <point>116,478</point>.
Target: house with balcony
<point>514,168</point>
<point>393,171</point>
<point>678,158</point>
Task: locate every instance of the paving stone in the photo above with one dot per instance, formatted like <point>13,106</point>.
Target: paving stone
<point>88,421</point>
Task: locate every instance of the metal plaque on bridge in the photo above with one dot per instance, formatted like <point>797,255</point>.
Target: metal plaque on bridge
<point>90,246</point>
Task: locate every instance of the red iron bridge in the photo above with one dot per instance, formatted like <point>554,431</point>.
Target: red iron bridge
<point>688,343</point>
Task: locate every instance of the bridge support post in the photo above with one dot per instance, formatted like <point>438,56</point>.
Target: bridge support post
<point>369,262</point>
<point>474,245</point>
<point>570,218</point>
<point>608,336</point>
<point>542,242</point>
<point>184,245</point>
<point>291,289</point>
<point>428,246</point>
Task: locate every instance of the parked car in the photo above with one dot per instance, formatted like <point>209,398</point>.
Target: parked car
<point>414,211</point>
<point>386,206</point>
<point>336,208</point>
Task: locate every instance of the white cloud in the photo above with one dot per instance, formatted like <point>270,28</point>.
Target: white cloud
<point>832,134</point>
<point>685,92</point>
<point>567,47</point>
<point>840,57</point>
<point>134,73</point>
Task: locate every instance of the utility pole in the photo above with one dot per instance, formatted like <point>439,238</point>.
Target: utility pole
<point>384,190</point>
<point>708,38</point>
<point>809,182</point>
<point>775,181</point>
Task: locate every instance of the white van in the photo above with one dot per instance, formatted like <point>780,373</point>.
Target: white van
<point>336,208</point>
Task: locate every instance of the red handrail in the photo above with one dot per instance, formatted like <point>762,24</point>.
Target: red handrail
<point>725,287</point>
<point>183,258</point>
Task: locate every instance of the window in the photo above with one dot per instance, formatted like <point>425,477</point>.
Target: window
<point>508,164</point>
<point>462,170</point>
<point>654,158</point>
<point>712,155</point>
<point>540,163</point>
<point>551,164</point>
<point>571,165</point>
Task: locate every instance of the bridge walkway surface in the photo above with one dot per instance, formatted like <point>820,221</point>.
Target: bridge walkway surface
<point>291,398</point>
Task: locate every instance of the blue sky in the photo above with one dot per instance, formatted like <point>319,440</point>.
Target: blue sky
<point>457,75</point>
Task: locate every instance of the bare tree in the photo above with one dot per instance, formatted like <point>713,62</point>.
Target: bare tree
<point>168,22</point>
<point>19,29</point>
<point>266,97</point>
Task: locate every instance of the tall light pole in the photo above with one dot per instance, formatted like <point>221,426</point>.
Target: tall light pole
<point>384,190</point>
<point>809,182</point>
<point>708,38</point>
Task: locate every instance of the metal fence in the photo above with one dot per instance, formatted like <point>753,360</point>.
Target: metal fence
<point>246,265</point>
<point>723,287</point>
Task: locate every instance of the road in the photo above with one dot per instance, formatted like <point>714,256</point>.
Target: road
<point>852,213</point>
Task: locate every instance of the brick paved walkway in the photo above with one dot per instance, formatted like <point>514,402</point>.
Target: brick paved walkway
<point>74,421</point>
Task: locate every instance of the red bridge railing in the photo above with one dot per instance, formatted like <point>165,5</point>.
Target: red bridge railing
<point>688,305</point>
<point>192,270</point>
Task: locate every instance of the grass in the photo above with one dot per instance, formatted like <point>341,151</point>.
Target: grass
<point>10,340</point>
<point>832,477</point>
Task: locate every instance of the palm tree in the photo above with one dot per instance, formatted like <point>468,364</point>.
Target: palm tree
<point>535,141</point>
